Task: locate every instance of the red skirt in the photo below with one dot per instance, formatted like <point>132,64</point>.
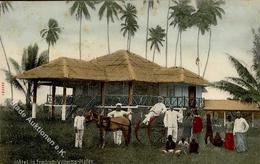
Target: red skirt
<point>229,141</point>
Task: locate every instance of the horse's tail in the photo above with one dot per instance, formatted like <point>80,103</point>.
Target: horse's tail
<point>137,128</point>
<point>129,131</point>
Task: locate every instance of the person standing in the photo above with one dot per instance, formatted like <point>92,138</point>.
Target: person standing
<point>197,126</point>
<point>79,128</point>
<point>170,121</point>
<point>209,130</point>
<point>118,113</point>
<point>229,138</point>
<point>240,128</point>
<point>156,110</point>
<point>187,124</point>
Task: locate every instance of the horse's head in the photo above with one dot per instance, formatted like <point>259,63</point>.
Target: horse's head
<point>90,116</point>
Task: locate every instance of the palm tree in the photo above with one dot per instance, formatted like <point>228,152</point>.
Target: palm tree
<point>111,7</point>
<point>51,34</point>
<point>166,37</point>
<point>202,21</point>
<point>30,59</point>
<point>5,6</point>
<point>246,87</point>
<point>130,25</point>
<point>156,38</point>
<point>214,12</point>
<point>150,6</point>
<point>181,16</point>
<point>256,52</point>
<point>80,9</point>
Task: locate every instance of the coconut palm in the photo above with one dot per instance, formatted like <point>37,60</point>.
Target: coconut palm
<point>214,12</point>
<point>156,38</point>
<point>256,52</point>
<point>130,26</point>
<point>30,59</point>
<point>166,37</point>
<point>245,87</point>
<point>181,16</point>
<point>150,5</point>
<point>5,6</point>
<point>80,9</point>
<point>111,8</point>
<point>51,33</point>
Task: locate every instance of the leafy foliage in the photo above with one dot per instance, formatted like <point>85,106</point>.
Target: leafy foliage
<point>80,8</point>
<point>51,34</point>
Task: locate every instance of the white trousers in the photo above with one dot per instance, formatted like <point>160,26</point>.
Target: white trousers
<point>148,117</point>
<point>174,132</point>
<point>79,138</point>
<point>117,137</point>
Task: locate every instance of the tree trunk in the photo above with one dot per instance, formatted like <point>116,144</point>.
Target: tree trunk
<point>80,23</point>
<point>48,62</point>
<point>108,44</point>
<point>166,39</point>
<point>198,51</point>
<point>206,65</point>
<point>153,54</point>
<point>180,51</point>
<point>130,43</point>
<point>8,67</point>
<point>176,49</point>
<point>147,28</point>
<point>28,96</point>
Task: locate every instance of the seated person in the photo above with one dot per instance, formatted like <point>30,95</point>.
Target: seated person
<point>217,141</point>
<point>194,146</point>
<point>183,146</point>
<point>170,145</point>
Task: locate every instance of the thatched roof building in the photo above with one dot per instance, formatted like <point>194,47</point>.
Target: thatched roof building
<point>119,66</point>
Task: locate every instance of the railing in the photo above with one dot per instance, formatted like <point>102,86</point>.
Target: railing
<point>143,100</point>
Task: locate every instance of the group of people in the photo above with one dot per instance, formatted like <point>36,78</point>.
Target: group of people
<point>190,129</point>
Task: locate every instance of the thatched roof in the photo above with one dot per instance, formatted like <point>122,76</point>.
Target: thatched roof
<point>229,105</point>
<point>118,66</point>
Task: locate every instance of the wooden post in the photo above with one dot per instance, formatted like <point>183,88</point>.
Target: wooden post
<point>130,93</point>
<point>63,111</point>
<point>103,95</point>
<point>225,118</point>
<point>53,100</point>
<point>34,99</point>
<point>253,119</point>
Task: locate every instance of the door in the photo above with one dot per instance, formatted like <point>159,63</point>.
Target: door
<point>192,96</point>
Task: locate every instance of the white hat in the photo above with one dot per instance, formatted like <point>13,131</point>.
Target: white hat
<point>119,105</point>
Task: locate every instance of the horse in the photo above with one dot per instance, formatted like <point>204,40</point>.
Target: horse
<point>107,124</point>
<point>149,130</point>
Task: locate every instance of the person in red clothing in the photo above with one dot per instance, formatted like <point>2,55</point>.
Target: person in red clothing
<point>197,125</point>
<point>229,137</point>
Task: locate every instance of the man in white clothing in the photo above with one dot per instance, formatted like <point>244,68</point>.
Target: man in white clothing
<point>240,128</point>
<point>156,110</point>
<point>79,129</point>
<point>118,113</point>
<point>170,121</point>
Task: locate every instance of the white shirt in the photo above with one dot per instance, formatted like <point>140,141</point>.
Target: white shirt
<point>171,118</point>
<point>115,113</point>
<point>79,122</point>
<point>240,126</point>
<point>158,108</point>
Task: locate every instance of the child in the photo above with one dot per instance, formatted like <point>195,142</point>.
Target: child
<point>170,145</point>
<point>183,146</point>
<point>217,141</point>
<point>194,146</point>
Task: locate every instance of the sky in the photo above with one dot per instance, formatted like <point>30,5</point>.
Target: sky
<point>233,35</point>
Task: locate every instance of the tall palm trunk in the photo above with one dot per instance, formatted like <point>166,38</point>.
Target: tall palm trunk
<point>8,66</point>
<point>180,50</point>
<point>206,65</point>
<point>176,49</point>
<point>153,54</point>
<point>48,62</point>
<point>147,29</point>
<point>28,96</point>
<point>80,23</point>
<point>108,44</point>
<point>198,52</point>
<point>166,37</point>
